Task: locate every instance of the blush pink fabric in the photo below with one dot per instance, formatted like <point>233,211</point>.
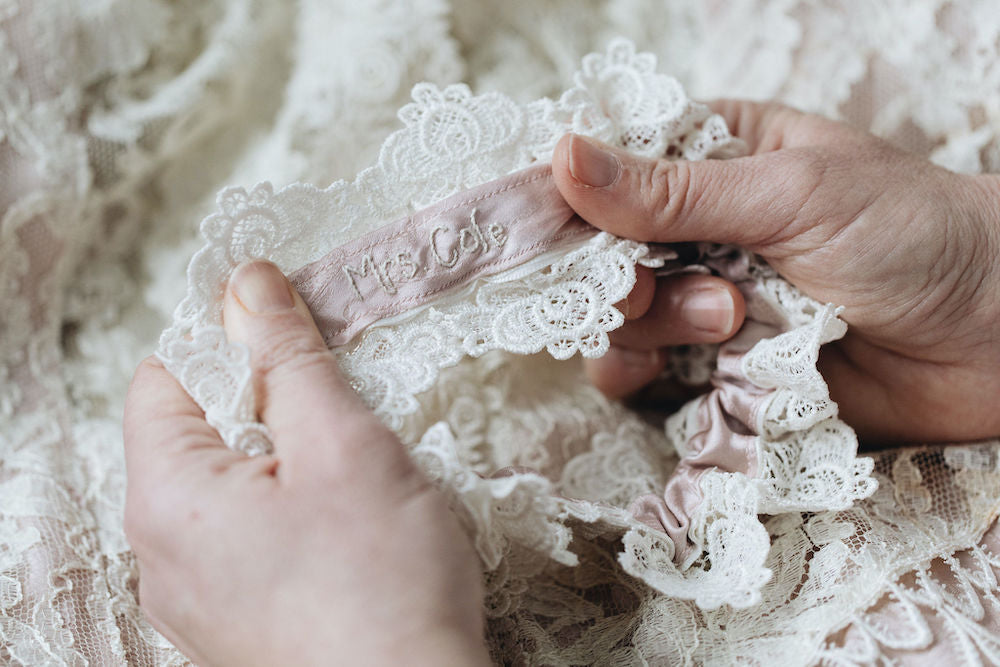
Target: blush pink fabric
<point>412,261</point>
<point>721,441</point>
<point>724,436</point>
<point>495,227</point>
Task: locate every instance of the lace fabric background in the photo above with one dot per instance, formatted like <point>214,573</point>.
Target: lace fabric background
<point>121,119</point>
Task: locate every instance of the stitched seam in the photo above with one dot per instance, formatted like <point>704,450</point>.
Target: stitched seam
<point>396,307</point>
<point>330,258</point>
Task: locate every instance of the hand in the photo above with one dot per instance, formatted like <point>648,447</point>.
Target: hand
<point>908,248</point>
<point>334,550</point>
<point>675,310</point>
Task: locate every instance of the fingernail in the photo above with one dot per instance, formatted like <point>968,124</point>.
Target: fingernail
<point>710,310</point>
<point>635,358</point>
<point>261,288</point>
<point>591,164</point>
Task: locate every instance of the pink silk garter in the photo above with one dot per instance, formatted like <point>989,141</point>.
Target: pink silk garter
<point>496,227</point>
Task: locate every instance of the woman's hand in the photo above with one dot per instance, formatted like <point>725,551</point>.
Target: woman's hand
<point>334,550</point>
<point>910,250</point>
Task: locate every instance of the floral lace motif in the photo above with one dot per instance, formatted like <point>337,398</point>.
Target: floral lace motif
<point>562,303</point>
<point>119,119</point>
<point>451,141</point>
<point>735,543</point>
<point>565,309</point>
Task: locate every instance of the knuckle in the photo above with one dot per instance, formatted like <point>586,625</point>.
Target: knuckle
<point>289,349</point>
<point>144,372</point>
<point>150,364</point>
<point>809,164</point>
<point>177,434</point>
<point>779,112</point>
<point>289,374</point>
<point>649,182</point>
<point>757,122</point>
<point>807,175</point>
<point>668,186</point>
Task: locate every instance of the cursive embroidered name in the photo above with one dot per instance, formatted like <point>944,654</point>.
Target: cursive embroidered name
<point>445,248</point>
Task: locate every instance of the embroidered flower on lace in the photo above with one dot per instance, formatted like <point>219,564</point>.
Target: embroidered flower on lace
<point>567,308</point>
<point>453,140</point>
<point>921,74</point>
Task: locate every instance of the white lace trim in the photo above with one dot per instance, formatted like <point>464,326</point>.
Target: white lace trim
<point>734,541</point>
<point>564,308</point>
<point>452,140</point>
<point>90,252</point>
<point>806,457</point>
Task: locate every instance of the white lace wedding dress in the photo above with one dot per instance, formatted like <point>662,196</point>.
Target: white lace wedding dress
<point>121,120</point>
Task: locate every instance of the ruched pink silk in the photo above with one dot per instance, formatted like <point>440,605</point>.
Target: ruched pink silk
<point>721,441</point>
<point>412,261</point>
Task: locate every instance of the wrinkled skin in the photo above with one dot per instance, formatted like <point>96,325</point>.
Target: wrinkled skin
<point>334,550</point>
<point>908,248</point>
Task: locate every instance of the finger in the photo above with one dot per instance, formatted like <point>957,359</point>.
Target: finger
<point>165,431</point>
<point>762,125</point>
<point>623,371</point>
<point>302,397</point>
<point>168,446</point>
<point>685,310</point>
<point>770,126</point>
<point>638,300</point>
<point>751,201</point>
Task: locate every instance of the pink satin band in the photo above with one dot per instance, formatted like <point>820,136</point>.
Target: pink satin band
<point>410,262</point>
<point>493,228</point>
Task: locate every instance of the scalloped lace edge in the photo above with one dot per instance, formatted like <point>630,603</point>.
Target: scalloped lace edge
<point>250,225</point>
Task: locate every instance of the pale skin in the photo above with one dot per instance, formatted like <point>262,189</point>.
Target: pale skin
<point>333,550</point>
<point>336,549</point>
<point>909,250</point>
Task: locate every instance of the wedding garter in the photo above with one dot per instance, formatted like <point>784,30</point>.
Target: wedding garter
<point>457,244</point>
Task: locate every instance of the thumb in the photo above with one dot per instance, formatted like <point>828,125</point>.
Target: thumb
<point>311,410</point>
<point>750,201</point>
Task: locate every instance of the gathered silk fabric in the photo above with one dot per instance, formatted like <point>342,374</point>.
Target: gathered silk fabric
<point>409,264</point>
<point>393,160</point>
